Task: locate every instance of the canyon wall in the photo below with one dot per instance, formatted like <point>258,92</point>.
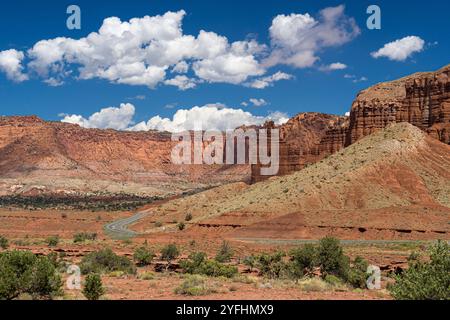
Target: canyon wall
<point>422,99</point>
<point>39,157</point>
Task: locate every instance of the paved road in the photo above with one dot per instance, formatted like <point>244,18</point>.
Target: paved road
<point>119,229</point>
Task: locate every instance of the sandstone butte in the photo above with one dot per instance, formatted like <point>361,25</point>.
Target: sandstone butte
<point>422,99</point>
<point>392,184</point>
<point>38,157</point>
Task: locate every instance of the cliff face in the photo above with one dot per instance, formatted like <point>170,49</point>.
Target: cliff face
<point>51,157</point>
<point>58,157</point>
<point>303,140</point>
<point>422,99</point>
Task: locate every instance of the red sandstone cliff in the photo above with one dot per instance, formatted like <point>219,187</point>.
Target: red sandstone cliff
<point>422,99</point>
<point>39,157</point>
<point>51,157</point>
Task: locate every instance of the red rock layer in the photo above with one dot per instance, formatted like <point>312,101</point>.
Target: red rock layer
<point>422,99</point>
<point>33,149</point>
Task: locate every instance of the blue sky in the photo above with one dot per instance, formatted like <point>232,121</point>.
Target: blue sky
<point>24,23</point>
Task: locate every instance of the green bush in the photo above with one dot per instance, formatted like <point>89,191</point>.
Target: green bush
<point>303,260</point>
<point>314,285</point>
<point>250,262</point>
<point>225,253</point>
<point>181,226</point>
<point>106,261</point>
<point>429,280</point>
<point>272,265</point>
<point>22,272</point>
<point>333,280</point>
<point>199,264</point>
<point>357,274</point>
<point>213,268</point>
<point>84,236</point>
<point>331,258</point>
<point>188,217</point>
<point>169,253</point>
<point>52,241</point>
<point>4,244</point>
<point>143,256</point>
<point>193,264</point>
<point>93,287</point>
<point>194,285</point>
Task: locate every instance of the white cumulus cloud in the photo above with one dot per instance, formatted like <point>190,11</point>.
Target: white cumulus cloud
<point>297,38</point>
<point>208,117</point>
<point>119,118</point>
<point>182,82</point>
<point>213,116</point>
<point>11,65</point>
<point>146,51</point>
<point>141,52</point>
<point>258,102</point>
<point>268,81</point>
<point>333,67</point>
<point>400,50</point>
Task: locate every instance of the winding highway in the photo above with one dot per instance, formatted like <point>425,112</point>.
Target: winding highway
<point>119,228</point>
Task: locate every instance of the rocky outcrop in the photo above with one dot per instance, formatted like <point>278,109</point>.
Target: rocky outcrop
<point>51,157</point>
<point>304,140</point>
<point>37,155</point>
<point>422,99</point>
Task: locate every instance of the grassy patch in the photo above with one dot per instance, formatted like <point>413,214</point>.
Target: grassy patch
<point>195,285</point>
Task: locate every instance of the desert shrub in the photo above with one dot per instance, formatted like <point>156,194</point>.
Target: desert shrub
<point>93,287</point>
<point>194,262</point>
<point>52,241</point>
<point>303,260</point>
<point>84,236</point>
<point>414,257</point>
<point>225,253</point>
<point>57,261</point>
<point>181,226</point>
<point>331,259</point>
<point>314,285</point>
<point>4,243</point>
<point>333,280</point>
<point>169,253</point>
<point>272,265</point>
<point>143,256</point>
<point>105,261</point>
<point>426,280</point>
<point>158,224</point>
<point>188,217</point>
<point>116,274</point>
<point>147,276</point>
<point>22,272</point>
<point>199,264</point>
<point>357,275</point>
<point>250,262</point>
<point>213,268</point>
<point>194,285</point>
